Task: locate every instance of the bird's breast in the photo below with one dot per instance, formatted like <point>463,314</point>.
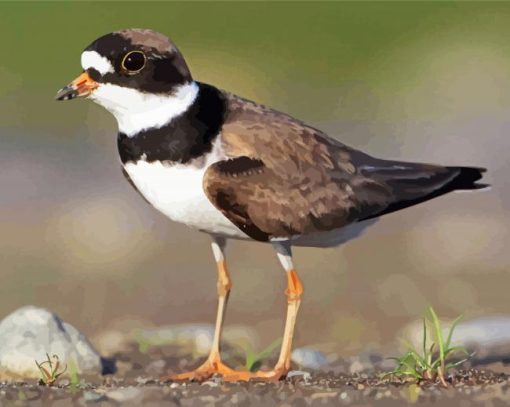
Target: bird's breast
<point>176,190</point>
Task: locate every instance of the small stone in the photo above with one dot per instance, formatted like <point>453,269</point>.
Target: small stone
<point>309,358</point>
<point>307,377</point>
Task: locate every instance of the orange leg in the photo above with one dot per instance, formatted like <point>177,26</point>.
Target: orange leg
<point>282,367</point>
<point>213,364</point>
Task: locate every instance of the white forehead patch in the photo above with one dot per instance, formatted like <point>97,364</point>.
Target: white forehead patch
<point>91,59</point>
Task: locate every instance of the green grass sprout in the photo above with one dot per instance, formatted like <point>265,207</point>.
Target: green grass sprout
<point>50,370</point>
<point>254,360</point>
<point>432,364</point>
<point>74,378</point>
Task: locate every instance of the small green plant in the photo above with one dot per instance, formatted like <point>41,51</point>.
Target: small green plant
<point>74,378</point>
<point>433,363</point>
<point>254,360</point>
<point>50,370</point>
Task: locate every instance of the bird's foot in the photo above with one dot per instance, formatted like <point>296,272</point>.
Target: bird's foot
<point>271,376</point>
<point>216,367</point>
<point>208,369</point>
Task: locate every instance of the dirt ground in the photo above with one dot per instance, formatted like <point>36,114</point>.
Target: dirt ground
<point>470,388</point>
<point>136,383</point>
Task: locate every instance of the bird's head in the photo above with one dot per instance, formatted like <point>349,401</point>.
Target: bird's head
<point>132,72</point>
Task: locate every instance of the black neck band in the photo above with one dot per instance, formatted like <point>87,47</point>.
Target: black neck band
<point>186,137</point>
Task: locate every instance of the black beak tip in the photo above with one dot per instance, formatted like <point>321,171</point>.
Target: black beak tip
<point>66,93</point>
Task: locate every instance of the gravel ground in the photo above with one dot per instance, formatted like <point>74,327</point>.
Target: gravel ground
<point>136,383</point>
<point>471,387</point>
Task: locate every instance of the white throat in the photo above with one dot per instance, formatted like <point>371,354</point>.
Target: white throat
<point>136,111</point>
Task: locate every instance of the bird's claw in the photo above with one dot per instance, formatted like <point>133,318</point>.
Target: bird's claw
<point>217,367</point>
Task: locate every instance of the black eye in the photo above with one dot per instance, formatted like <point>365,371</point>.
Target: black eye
<point>133,61</point>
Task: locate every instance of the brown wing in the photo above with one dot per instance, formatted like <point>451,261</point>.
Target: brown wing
<point>286,178</point>
<point>266,204</point>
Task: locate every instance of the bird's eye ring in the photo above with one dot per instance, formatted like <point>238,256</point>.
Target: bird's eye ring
<point>133,62</point>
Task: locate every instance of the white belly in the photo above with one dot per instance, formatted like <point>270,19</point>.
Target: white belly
<point>176,191</point>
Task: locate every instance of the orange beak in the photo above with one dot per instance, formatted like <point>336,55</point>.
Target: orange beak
<point>82,86</point>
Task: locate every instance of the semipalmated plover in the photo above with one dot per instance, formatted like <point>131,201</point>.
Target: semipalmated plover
<point>236,169</point>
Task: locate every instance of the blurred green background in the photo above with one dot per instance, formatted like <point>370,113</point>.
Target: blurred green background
<point>416,81</point>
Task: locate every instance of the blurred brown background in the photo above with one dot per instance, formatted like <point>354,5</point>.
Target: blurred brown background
<point>416,81</point>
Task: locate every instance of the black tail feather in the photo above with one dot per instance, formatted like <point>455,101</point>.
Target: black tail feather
<point>460,178</point>
<point>466,178</point>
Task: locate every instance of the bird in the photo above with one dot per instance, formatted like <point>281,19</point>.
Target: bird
<point>236,169</point>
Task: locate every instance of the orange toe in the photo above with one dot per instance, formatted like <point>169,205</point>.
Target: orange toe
<point>202,373</point>
<point>261,376</point>
<point>216,367</point>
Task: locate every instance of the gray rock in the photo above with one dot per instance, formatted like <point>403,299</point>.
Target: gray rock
<point>486,331</point>
<point>29,333</point>
<point>309,358</point>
